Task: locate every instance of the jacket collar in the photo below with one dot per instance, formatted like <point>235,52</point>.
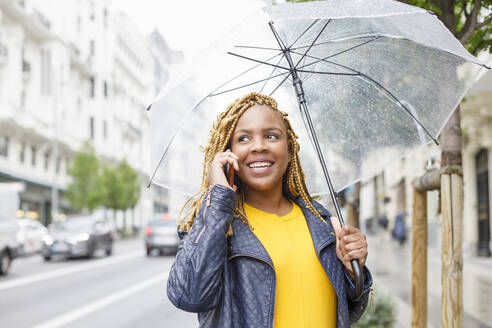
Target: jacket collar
<point>245,243</point>
<point>322,231</point>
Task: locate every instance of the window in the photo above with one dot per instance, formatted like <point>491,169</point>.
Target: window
<point>105,129</point>
<point>45,72</point>
<point>33,156</point>
<point>58,162</point>
<point>91,127</point>
<point>105,89</point>
<point>4,146</point>
<point>79,24</point>
<point>92,48</point>
<point>22,152</point>
<point>105,17</point>
<point>46,160</point>
<point>92,90</point>
<point>23,99</point>
<point>92,11</point>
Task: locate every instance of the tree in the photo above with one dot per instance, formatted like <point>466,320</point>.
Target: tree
<point>113,189</point>
<point>121,188</point>
<point>131,186</point>
<point>85,191</point>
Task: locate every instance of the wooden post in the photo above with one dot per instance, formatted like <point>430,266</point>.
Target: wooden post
<point>431,180</point>
<point>351,215</point>
<point>419,259</point>
<point>451,252</point>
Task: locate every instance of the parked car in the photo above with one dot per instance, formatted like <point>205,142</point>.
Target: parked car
<point>9,204</point>
<point>30,236</point>
<point>161,234</point>
<point>77,236</point>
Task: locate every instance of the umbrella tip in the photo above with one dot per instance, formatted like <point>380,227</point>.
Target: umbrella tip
<point>150,182</point>
<point>436,142</point>
<point>149,107</point>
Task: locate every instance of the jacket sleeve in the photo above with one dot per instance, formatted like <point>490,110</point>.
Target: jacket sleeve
<point>357,305</point>
<point>195,278</point>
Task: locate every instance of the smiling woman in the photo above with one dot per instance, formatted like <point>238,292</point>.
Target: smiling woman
<point>259,251</point>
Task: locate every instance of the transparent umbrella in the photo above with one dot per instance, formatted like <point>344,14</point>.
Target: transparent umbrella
<point>364,83</point>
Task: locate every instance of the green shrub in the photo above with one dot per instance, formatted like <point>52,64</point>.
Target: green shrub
<point>380,315</point>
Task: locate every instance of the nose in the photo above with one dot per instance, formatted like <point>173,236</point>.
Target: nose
<point>258,145</point>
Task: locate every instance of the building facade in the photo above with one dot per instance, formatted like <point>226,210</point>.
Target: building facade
<point>71,71</point>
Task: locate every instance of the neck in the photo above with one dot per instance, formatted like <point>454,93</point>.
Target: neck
<point>270,201</point>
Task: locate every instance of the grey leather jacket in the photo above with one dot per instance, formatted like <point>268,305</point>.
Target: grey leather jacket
<point>230,282</point>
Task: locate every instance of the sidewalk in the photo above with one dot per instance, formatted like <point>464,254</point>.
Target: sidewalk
<point>390,265</point>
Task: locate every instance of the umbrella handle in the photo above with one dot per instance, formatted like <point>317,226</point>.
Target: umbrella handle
<point>359,277</point>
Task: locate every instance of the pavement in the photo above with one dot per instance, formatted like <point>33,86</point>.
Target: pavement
<point>390,265</point>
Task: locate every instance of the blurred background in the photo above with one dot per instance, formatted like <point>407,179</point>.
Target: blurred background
<point>81,233</point>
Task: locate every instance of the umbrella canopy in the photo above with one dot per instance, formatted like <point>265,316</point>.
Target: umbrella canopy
<point>379,77</point>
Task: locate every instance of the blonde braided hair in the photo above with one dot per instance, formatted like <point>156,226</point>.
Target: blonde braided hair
<point>219,137</point>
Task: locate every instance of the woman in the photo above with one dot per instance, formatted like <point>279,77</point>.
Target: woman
<point>261,252</point>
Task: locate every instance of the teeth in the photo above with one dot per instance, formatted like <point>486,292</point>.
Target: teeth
<point>260,164</point>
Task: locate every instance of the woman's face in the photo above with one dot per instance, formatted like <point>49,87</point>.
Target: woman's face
<point>260,140</point>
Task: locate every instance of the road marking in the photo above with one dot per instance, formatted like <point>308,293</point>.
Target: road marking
<point>82,311</point>
<point>65,271</point>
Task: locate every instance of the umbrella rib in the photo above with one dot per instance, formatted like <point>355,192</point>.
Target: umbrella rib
<point>381,87</point>
<point>305,31</point>
<point>258,61</point>
<point>327,73</point>
<point>246,71</point>
<point>247,85</point>
<point>277,37</point>
<point>278,86</point>
<point>253,47</point>
<point>312,43</point>
<point>335,54</point>
<point>273,70</point>
<point>335,40</point>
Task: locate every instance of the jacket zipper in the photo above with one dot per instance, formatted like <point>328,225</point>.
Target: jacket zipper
<point>275,278</point>
<point>255,257</point>
<point>207,204</point>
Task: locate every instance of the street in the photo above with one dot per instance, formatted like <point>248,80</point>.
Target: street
<point>126,289</point>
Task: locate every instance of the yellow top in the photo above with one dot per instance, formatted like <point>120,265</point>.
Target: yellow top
<point>304,294</point>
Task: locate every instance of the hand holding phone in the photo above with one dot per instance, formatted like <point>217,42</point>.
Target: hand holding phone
<point>229,173</point>
<point>222,169</point>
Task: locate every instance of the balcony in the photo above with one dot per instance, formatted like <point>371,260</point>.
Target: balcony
<point>43,20</point>
<point>35,23</point>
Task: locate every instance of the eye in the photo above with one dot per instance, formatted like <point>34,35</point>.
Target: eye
<point>272,136</point>
<point>242,138</point>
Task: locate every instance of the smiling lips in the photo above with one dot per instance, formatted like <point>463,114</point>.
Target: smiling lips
<point>260,164</point>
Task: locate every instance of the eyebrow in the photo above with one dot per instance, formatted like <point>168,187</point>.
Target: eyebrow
<point>263,130</point>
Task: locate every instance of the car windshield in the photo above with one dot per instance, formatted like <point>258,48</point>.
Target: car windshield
<point>79,224</point>
<point>162,220</point>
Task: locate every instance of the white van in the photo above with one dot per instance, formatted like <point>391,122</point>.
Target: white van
<point>9,204</point>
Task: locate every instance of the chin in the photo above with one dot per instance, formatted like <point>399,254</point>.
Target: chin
<point>261,185</point>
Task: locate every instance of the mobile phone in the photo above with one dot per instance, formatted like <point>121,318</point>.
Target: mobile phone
<point>229,173</point>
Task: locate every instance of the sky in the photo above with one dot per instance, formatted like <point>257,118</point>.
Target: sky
<point>188,25</point>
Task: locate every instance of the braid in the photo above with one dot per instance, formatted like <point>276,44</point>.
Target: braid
<point>218,141</point>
